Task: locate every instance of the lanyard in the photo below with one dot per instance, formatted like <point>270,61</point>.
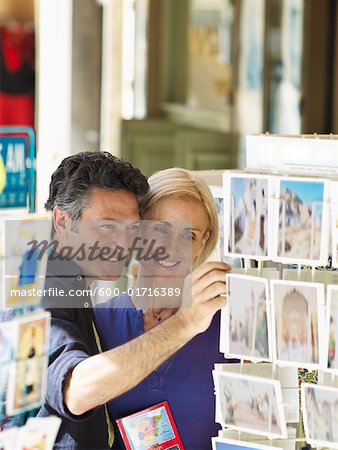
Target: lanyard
<point>111,435</point>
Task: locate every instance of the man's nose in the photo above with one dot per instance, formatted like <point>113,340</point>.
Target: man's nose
<point>123,239</point>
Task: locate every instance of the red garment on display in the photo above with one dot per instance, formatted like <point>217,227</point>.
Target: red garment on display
<point>17,75</point>
<point>17,109</point>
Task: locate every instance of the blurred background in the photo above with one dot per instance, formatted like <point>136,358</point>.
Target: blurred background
<point>166,83</point>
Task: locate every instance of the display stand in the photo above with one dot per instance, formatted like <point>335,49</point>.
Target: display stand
<point>20,373</point>
<point>17,200</point>
<point>282,156</point>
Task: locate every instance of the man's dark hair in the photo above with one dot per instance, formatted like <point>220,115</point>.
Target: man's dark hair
<point>73,180</point>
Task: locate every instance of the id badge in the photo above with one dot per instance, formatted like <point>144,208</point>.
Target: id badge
<point>152,428</point>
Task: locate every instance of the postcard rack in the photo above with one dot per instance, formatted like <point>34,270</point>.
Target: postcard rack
<point>23,357</point>
<point>17,375</point>
<point>315,270</point>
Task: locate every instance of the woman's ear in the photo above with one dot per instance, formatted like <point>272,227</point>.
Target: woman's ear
<point>204,241</point>
<point>206,238</point>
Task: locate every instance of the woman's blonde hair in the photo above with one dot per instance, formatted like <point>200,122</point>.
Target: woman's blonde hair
<point>181,183</point>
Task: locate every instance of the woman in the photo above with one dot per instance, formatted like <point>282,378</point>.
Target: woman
<point>182,216</point>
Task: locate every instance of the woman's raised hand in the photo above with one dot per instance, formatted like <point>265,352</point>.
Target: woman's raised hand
<point>204,295</point>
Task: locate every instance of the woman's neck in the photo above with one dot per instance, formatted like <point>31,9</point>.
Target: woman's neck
<point>153,296</point>
<point>157,293</point>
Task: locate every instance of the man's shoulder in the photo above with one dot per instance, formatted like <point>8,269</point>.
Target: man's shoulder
<point>122,301</point>
<point>65,286</point>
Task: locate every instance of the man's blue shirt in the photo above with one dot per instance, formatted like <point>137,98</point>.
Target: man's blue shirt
<point>184,380</point>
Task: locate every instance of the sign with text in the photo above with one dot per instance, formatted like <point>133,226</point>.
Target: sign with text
<point>315,154</point>
<point>17,168</point>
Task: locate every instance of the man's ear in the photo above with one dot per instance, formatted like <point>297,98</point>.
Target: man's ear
<point>60,219</point>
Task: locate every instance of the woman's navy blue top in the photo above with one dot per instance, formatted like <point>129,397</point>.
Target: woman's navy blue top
<point>184,381</point>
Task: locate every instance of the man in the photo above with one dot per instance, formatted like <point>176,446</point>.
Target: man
<point>88,193</point>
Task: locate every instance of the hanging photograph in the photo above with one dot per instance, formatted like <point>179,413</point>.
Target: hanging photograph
<point>153,427</point>
<point>29,342</point>
<point>6,354</point>
<point>247,213</point>
<point>332,327</point>
<point>334,223</point>
<point>39,433</point>
<point>33,335</point>
<point>249,403</point>
<point>219,251</point>
<point>320,415</point>
<point>245,321</point>
<point>8,439</point>
<point>302,231</point>
<point>219,443</point>
<point>6,341</point>
<point>25,264</point>
<point>26,385</point>
<point>218,254</point>
<point>298,323</point>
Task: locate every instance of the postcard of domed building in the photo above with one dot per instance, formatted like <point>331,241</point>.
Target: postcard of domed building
<point>298,323</point>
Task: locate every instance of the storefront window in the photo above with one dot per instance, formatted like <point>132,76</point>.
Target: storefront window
<point>134,67</point>
<point>286,69</point>
<point>210,73</point>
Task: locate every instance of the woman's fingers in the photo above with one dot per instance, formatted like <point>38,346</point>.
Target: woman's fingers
<point>209,266</point>
<point>208,279</point>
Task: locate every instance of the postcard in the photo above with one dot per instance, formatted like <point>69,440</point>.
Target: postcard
<point>218,254</point>
<point>245,321</point>
<point>153,427</point>
<point>249,438</point>
<point>301,232</point>
<point>247,214</point>
<point>8,438</point>
<point>320,415</point>
<point>6,355</point>
<point>6,341</point>
<point>26,384</point>
<point>21,230</point>
<point>38,433</point>
<point>332,328</point>
<point>334,223</point>
<point>251,404</point>
<point>288,377</point>
<point>298,323</point>
<point>25,267</point>
<point>218,195</point>
<point>25,336</point>
<point>33,335</point>
<point>219,443</point>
